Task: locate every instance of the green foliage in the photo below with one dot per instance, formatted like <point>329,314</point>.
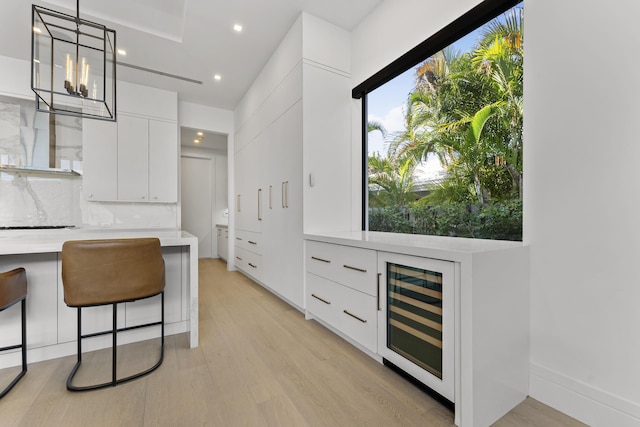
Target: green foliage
<point>391,219</point>
<point>499,220</point>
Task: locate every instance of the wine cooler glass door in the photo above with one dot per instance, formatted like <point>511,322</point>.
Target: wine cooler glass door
<point>416,318</point>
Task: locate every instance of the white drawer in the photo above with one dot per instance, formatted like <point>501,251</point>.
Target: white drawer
<point>249,262</point>
<point>249,241</point>
<point>349,266</point>
<point>349,311</point>
<point>322,299</point>
<point>359,318</point>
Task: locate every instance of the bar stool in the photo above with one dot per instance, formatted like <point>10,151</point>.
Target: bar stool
<point>13,289</point>
<point>112,271</point>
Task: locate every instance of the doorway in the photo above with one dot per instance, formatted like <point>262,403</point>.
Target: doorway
<point>196,193</point>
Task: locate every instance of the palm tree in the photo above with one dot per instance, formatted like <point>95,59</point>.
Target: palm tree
<point>500,57</point>
<point>391,181</point>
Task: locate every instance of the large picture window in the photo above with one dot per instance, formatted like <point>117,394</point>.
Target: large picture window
<point>443,138</point>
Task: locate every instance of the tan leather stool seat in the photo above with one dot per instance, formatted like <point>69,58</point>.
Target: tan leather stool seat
<point>112,271</point>
<point>13,289</point>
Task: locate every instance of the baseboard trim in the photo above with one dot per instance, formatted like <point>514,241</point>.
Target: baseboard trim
<point>581,401</point>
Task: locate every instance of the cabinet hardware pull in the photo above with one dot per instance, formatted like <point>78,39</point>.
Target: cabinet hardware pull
<point>259,204</point>
<point>321,299</point>
<point>238,258</point>
<point>354,316</point>
<point>238,203</point>
<point>286,197</point>
<point>270,191</point>
<point>253,266</point>
<point>283,194</point>
<point>320,259</point>
<point>237,238</point>
<point>354,268</point>
<point>251,243</point>
<point>378,293</point>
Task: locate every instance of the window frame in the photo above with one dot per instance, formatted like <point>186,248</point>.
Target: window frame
<point>465,24</point>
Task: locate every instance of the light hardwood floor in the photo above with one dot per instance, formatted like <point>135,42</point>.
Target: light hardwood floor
<point>259,363</point>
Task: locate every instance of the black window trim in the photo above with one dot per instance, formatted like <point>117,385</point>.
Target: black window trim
<point>470,21</point>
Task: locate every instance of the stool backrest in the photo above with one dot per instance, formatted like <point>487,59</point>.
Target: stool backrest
<point>13,287</point>
<point>96,272</point>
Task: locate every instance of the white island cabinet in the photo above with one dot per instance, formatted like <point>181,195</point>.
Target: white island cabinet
<point>488,282</point>
<point>51,324</point>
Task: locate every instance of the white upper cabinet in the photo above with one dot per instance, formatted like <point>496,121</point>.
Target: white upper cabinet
<point>136,158</point>
<point>163,161</point>
<point>133,159</point>
<point>100,160</point>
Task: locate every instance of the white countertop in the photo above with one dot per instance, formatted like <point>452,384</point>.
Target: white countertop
<point>51,240</point>
<point>440,247</point>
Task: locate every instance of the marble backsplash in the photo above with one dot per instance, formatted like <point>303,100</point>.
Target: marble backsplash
<point>34,200</point>
<point>44,198</point>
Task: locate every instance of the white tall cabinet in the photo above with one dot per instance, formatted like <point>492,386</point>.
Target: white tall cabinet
<point>292,123</point>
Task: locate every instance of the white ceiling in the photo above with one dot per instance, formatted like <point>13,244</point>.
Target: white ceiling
<point>193,39</point>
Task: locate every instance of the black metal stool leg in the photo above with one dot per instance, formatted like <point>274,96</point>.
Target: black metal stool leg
<point>22,346</point>
<point>114,352</point>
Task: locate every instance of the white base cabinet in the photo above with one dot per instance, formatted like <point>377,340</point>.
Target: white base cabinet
<point>477,289</point>
<point>223,242</point>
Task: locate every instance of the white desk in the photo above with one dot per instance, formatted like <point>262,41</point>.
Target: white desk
<point>51,325</point>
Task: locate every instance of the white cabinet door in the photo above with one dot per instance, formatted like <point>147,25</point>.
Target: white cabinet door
<point>283,206</point>
<point>250,184</point>
<point>100,160</point>
<point>163,161</point>
<point>133,159</point>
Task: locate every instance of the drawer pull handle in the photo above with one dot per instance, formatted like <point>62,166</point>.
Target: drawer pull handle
<point>321,260</point>
<point>321,299</point>
<point>252,243</point>
<point>354,316</point>
<point>237,238</point>
<point>355,268</point>
<point>253,266</point>
<point>238,258</point>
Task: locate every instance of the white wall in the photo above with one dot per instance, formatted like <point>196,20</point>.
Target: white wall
<point>581,207</point>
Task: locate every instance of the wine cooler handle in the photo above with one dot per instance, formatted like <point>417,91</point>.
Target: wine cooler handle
<point>378,292</point>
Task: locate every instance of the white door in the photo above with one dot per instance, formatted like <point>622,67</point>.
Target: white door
<point>196,201</point>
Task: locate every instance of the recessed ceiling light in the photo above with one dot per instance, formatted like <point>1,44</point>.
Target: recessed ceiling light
<point>217,77</point>
<point>122,52</point>
<point>197,141</point>
<point>200,134</point>
<point>39,31</point>
<point>237,27</point>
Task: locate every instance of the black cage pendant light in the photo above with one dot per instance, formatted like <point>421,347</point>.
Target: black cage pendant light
<point>73,65</point>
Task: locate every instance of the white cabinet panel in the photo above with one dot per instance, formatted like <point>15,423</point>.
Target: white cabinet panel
<point>100,160</point>
<point>42,273</point>
<point>133,159</point>
<point>163,161</point>
<point>148,310</point>
<point>152,102</point>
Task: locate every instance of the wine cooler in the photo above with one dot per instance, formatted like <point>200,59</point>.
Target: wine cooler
<point>416,315</point>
